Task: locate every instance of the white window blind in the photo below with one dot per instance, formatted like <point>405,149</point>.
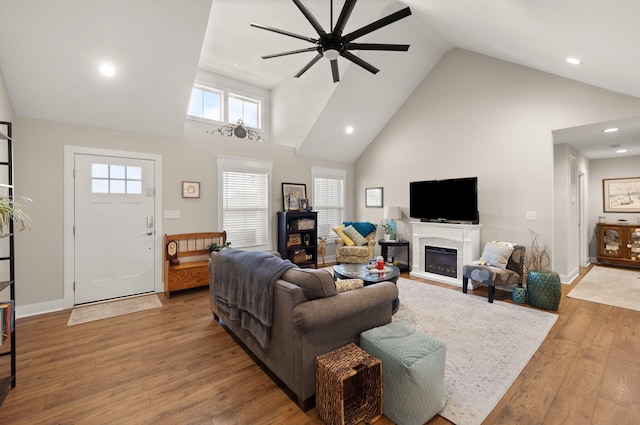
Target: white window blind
<point>329,198</point>
<point>244,197</point>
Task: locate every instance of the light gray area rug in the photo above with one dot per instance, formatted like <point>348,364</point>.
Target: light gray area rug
<point>488,345</point>
<point>611,286</point>
<point>115,308</point>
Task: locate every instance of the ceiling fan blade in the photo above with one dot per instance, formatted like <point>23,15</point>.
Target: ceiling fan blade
<point>291,52</point>
<point>283,32</point>
<point>344,17</point>
<point>377,46</point>
<point>353,58</point>
<point>309,65</point>
<point>382,22</point>
<point>312,19</point>
<point>334,70</point>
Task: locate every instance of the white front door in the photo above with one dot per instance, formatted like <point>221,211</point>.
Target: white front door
<point>114,227</point>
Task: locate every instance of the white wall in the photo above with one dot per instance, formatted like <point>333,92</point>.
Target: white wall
<point>478,116</point>
<point>610,168</point>
<point>39,175</point>
<point>6,110</point>
<point>6,114</point>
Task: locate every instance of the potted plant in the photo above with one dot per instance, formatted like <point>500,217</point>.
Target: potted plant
<point>13,210</point>
<point>389,233</point>
<point>214,247</point>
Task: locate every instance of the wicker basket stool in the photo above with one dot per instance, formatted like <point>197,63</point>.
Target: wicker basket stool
<point>348,386</point>
<point>412,371</point>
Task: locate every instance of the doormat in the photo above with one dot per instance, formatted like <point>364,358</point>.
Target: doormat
<point>106,310</point>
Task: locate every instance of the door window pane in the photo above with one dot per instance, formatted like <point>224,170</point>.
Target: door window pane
<point>115,178</point>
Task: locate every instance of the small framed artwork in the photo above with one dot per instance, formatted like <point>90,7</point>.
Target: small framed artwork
<point>190,189</point>
<point>291,195</point>
<point>621,195</point>
<point>304,204</point>
<point>373,197</point>
<point>294,239</point>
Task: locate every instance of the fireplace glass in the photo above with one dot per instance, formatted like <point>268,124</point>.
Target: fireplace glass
<point>442,261</point>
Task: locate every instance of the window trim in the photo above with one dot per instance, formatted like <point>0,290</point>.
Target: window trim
<point>223,104</point>
<point>228,162</point>
<point>225,94</point>
<point>245,98</point>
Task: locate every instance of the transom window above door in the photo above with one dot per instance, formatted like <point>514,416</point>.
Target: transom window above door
<point>114,178</point>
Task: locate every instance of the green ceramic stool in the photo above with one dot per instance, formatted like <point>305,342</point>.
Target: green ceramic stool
<point>519,294</point>
<point>543,289</point>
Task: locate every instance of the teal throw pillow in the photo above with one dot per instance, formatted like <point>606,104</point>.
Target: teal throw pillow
<point>363,227</point>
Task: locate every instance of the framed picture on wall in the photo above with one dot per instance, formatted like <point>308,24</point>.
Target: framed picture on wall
<point>621,195</point>
<point>291,195</point>
<point>190,189</point>
<point>373,197</point>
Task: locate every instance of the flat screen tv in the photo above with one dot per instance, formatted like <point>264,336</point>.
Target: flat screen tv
<point>450,200</point>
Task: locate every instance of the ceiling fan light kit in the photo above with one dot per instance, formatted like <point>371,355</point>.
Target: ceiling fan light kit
<point>333,44</point>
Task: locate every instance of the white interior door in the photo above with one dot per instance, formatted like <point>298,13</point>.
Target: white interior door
<point>114,227</point>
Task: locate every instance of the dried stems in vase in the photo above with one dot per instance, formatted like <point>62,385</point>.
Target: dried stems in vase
<point>539,258</point>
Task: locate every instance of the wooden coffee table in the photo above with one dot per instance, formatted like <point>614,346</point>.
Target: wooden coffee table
<point>370,277</point>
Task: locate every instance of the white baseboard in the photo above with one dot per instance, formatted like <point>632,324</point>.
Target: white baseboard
<point>39,308</point>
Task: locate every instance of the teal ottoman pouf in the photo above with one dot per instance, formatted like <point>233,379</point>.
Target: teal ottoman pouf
<point>412,372</point>
<point>544,289</point>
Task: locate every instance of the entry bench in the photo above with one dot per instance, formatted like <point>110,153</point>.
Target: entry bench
<point>192,254</point>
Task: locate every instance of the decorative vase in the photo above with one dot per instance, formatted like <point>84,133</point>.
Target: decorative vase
<point>543,289</point>
<point>519,294</point>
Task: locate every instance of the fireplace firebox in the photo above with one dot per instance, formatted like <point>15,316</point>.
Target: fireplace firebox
<point>442,261</point>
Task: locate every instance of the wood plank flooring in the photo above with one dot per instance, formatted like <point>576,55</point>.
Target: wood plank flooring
<point>175,365</point>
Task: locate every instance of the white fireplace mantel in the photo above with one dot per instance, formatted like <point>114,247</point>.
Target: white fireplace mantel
<point>464,238</point>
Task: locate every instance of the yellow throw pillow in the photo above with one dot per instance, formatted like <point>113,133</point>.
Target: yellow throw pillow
<point>340,231</point>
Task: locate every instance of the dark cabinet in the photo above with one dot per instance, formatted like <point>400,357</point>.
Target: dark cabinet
<point>298,237</point>
<point>396,252</point>
<point>619,244</point>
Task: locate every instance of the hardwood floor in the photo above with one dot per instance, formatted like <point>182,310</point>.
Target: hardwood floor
<point>175,365</point>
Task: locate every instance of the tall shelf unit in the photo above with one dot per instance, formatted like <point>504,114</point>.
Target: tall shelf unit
<point>298,237</point>
<point>7,261</point>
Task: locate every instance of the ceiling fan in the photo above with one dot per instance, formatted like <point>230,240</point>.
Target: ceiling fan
<point>333,44</point>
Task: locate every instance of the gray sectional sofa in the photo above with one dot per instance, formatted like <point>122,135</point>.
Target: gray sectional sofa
<point>309,318</point>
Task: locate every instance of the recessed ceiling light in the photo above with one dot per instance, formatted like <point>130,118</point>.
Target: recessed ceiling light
<point>107,70</point>
<point>349,129</point>
<point>610,130</point>
<point>574,61</point>
<point>621,151</point>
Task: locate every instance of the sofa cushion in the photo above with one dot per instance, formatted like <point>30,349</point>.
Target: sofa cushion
<point>496,254</point>
<point>340,232</point>
<point>356,237</point>
<point>315,283</point>
<point>363,227</point>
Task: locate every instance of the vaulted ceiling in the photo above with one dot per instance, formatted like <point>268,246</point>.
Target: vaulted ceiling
<point>50,52</point>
